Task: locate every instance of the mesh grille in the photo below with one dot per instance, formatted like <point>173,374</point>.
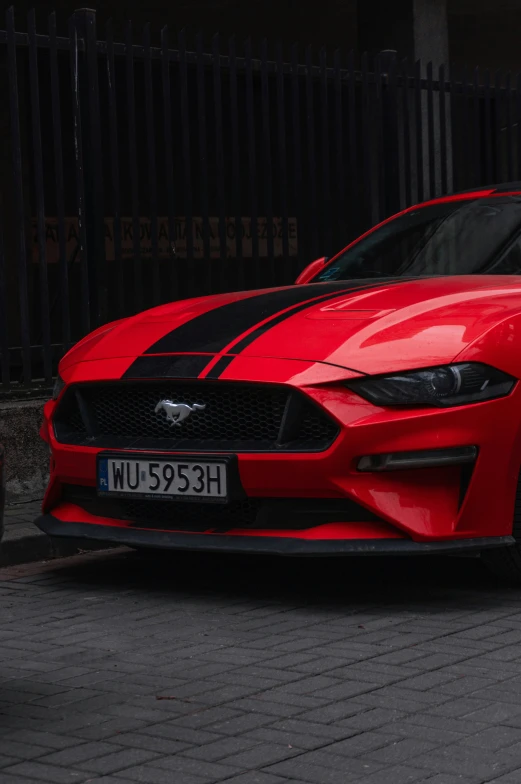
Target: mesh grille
<point>237,417</point>
<point>69,420</point>
<point>250,414</point>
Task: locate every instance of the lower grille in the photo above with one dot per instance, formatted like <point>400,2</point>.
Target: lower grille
<point>227,417</point>
<point>174,515</point>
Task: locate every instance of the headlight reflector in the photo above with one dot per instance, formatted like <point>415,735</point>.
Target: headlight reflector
<point>443,387</point>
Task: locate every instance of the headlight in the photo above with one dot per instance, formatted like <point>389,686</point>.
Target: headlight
<point>58,386</point>
<point>449,385</point>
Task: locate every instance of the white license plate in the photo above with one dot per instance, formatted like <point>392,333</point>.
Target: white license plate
<point>158,477</point>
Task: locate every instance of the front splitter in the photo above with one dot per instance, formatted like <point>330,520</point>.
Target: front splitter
<point>261,545</point>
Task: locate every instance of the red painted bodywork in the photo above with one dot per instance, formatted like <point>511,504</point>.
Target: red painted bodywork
<point>387,328</point>
<point>311,270</point>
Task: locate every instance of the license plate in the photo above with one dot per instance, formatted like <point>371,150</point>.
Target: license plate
<point>157,477</point>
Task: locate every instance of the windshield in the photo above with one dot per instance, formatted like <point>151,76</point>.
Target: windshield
<point>480,236</point>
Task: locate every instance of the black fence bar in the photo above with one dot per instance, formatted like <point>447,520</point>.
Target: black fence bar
<point>219,150</point>
<point>203,160</point>
<point>509,134</point>
<point>94,170</point>
<point>339,148</point>
<point>236,161</point>
<point>114,170</point>
<point>518,121</point>
<point>353,145</point>
<point>39,199</point>
<point>266,158</point>
<point>443,131</point>
<point>133,170</point>
<point>311,196</point>
<point>173,278</point>
<point>252,160</point>
<point>368,151</point>
<point>327,201</point>
<point>455,145</point>
<point>465,121</point>
<point>79,172</point>
<point>419,131</point>
<point>392,199</point>
<point>18,194</point>
<point>477,166</point>
<point>430,133</point>
<point>283,170</point>
<point>497,122</point>
<point>296,132</point>
<point>488,129</point>
<point>380,178</point>
<point>407,151</point>
<point>63,292</point>
<point>187,168</point>
<point>151,158</point>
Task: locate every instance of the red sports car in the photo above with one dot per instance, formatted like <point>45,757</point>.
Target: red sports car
<point>372,409</point>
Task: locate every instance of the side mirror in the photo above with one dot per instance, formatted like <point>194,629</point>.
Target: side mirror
<point>311,270</point>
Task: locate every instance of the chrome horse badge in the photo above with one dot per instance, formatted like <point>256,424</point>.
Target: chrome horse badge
<point>177,412</point>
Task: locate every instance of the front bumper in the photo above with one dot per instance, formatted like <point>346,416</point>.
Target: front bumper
<point>258,545</point>
<point>441,507</point>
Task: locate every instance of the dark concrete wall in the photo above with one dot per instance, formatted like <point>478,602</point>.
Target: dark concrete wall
<point>489,38</point>
<point>386,26</point>
<point>26,455</point>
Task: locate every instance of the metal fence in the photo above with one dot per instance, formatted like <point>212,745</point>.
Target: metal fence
<point>141,170</point>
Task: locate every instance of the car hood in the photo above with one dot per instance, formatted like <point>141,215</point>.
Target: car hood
<point>367,326</point>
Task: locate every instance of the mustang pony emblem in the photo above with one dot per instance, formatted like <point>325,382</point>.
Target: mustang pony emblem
<point>177,412</point>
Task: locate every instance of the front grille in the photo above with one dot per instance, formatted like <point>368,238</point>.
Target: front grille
<point>266,513</point>
<point>236,417</point>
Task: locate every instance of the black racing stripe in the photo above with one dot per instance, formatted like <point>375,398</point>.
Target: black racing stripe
<point>256,333</point>
<point>167,367</point>
<point>219,367</point>
<point>212,331</point>
<point>223,363</point>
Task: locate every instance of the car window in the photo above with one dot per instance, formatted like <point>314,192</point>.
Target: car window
<point>452,238</point>
<point>509,262</point>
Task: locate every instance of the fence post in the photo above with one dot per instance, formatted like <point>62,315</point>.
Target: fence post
<point>391,162</point>
<point>88,86</point>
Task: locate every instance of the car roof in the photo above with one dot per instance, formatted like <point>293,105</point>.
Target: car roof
<point>502,189</point>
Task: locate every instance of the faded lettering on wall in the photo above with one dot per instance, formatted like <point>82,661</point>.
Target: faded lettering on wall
<point>165,249</point>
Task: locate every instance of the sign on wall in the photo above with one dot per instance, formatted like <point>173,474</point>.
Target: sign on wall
<point>164,246</point>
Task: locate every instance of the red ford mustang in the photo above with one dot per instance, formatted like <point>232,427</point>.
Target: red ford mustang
<point>374,408</point>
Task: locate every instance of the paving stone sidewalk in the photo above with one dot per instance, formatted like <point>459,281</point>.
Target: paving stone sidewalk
<point>117,668</point>
<point>23,542</point>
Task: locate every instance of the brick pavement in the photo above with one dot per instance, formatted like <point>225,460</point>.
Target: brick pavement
<point>23,542</point>
<point>117,669</point>
<point>18,518</point>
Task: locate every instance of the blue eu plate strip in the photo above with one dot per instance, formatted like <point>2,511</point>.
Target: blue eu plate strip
<point>103,475</point>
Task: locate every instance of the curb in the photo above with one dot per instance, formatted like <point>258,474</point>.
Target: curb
<point>40,547</point>
<point>24,543</point>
